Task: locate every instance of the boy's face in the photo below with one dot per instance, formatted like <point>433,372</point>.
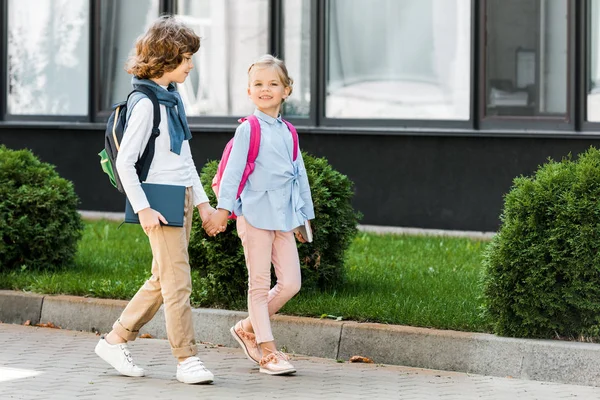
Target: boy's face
<point>266,89</point>
<point>182,71</point>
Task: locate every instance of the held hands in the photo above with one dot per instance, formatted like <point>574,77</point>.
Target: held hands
<point>150,219</point>
<point>205,210</point>
<point>216,223</point>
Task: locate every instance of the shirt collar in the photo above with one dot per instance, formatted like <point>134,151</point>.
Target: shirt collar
<point>267,118</point>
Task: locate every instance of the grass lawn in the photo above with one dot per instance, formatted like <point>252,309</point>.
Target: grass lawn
<point>409,280</point>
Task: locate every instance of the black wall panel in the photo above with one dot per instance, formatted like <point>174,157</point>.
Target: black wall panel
<point>436,182</point>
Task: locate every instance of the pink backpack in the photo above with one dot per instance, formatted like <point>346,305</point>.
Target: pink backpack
<point>252,154</point>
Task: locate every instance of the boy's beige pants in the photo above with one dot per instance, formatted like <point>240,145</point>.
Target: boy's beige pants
<point>170,283</point>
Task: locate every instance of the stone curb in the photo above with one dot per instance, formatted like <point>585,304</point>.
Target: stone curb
<point>543,360</point>
<point>20,307</point>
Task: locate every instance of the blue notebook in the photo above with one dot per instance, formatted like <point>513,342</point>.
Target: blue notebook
<point>169,200</point>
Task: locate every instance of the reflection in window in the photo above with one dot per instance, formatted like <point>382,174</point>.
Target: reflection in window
<point>48,57</point>
<point>296,41</point>
<point>233,34</point>
<point>409,60</point>
<point>526,57</point>
<point>121,23</point>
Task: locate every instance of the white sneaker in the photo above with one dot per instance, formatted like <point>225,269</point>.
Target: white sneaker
<point>119,357</point>
<point>193,371</point>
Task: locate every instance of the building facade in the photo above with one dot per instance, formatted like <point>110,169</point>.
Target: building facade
<point>431,107</point>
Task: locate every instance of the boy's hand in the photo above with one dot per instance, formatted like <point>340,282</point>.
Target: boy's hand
<point>150,219</point>
<point>216,223</point>
<point>205,210</point>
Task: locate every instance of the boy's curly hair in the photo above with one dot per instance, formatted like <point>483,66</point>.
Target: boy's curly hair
<point>161,48</point>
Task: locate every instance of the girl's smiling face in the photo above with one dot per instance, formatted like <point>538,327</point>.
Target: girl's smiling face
<point>266,90</point>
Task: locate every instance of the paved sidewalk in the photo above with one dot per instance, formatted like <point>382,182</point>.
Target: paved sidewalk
<point>43,363</point>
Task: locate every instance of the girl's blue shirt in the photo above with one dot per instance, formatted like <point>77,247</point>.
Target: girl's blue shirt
<point>277,195</point>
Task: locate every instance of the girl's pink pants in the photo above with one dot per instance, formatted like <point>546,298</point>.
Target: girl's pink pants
<point>261,248</point>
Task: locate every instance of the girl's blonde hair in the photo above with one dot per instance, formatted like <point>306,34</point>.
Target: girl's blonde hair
<point>268,61</point>
<point>161,48</point>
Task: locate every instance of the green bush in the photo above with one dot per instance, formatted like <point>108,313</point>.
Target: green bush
<point>220,260</point>
<point>39,222</point>
<point>543,267</point>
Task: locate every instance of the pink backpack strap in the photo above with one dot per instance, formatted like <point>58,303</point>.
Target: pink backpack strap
<point>252,150</point>
<point>254,137</point>
<point>294,138</point>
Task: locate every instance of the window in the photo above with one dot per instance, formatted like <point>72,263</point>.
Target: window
<point>593,88</point>
<point>296,43</point>
<point>233,34</point>
<point>526,58</point>
<point>121,22</point>
<point>48,57</point>
<point>395,59</point>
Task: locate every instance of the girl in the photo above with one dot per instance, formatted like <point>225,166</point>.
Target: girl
<point>163,55</point>
<point>275,201</point>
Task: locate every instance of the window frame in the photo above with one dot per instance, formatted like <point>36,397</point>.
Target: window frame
<point>225,122</point>
<point>3,59</point>
<point>278,50</point>
<point>97,112</point>
<point>584,23</point>
<point>379,123</point>
<point>40,118</point>
<point>530,124</point>
<point>572,126</point>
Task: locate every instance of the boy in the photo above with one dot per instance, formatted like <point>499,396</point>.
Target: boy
<point>163,55</point>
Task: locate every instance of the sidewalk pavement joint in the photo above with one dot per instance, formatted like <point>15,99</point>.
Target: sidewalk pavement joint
<point>39,314</point>
<point>339,346</point>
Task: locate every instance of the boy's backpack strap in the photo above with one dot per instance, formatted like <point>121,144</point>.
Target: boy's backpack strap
<point>294,137</point>
<point>143,165</point>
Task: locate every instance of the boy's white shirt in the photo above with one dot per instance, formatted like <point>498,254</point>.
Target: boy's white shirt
<point>166,168</point>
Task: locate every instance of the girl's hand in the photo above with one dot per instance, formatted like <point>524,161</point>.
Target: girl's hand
<point>150,219</point>
<point>216,223</point>
<point>298,233</point>
<point>299,237</point>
